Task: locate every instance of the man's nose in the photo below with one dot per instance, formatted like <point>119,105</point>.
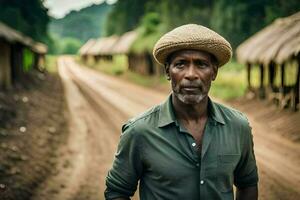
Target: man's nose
<point>191,73</point>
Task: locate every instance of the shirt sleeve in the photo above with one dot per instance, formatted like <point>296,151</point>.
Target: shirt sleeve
<point>123,178</point>
<point>246,174</point>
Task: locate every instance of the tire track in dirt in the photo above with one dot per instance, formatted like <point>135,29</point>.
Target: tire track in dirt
<point>95,129</point>
<point>135,98</point>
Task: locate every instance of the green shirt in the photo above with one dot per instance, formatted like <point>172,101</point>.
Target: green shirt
<point>160,153</point>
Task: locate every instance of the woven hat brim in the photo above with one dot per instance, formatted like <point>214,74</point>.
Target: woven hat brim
<point>221,51</point>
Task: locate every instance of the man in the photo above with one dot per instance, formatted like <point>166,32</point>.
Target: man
<point>189,147</point>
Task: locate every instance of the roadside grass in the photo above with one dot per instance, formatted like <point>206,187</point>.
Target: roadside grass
<point>230,83</point>
<point>51,63</point>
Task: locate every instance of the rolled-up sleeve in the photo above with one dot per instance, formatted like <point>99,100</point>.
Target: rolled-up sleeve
<point>246,171</point>
<point>123,178</point>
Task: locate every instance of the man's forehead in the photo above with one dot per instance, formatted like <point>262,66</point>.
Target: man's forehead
<point>188,53</point>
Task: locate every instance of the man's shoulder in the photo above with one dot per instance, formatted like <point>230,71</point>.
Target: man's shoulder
<point>231,115</point>
<point>147,119</point>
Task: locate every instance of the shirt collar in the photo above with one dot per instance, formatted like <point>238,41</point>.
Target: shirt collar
<point>215,112</point>
<point>167,114</point>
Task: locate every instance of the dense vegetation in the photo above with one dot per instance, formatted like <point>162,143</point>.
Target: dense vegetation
<point>28,16</point>
<point>64,35</point>
<point>77,27</point>
<point>234,19</point>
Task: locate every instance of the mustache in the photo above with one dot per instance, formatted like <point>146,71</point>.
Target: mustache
<point>196,84</point>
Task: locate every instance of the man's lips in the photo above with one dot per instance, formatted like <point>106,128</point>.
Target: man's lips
<point>191,88</point>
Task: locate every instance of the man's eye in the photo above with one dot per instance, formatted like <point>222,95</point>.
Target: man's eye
<point>202,64</point>
<point>179,64</point>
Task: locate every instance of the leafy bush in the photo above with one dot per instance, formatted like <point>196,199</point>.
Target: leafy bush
<point>70,45</point>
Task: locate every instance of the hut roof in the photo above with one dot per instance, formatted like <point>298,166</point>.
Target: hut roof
<point>84,48</point>
<point>15,36</point>
<point>40,48</point>
<point>124,43</point>
<point>266,45</point>
<point>10,34</point>
<point>108,44</point>
<point>94,48</point>
<point>291,48</point>
<point>103,46</point>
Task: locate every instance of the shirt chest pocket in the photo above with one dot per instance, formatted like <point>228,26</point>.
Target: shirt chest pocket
<point>226,165</point>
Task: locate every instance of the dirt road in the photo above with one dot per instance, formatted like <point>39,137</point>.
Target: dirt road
<point>99,104</point>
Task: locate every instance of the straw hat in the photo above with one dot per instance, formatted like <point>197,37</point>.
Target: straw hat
<point>192,36</point>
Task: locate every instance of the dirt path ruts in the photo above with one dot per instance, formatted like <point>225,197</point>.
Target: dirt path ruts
<point>99,104</point>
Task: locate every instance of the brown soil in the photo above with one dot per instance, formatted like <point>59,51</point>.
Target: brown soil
<point>283,122</point>
<point>32,126</point>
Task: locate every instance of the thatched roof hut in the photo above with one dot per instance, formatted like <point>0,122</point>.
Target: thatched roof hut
<point>125,42</point>
<point>12,47</point>
<point>107,46</point>
<point>13,36</point>
<point>84,49</point>
<point>277,42</point>
<point>272,48</point>
<point>39,48</point>
<point>95,47</point>
<point>10,35</point>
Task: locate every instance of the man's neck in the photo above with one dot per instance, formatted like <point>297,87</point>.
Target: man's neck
<point>190,112</point>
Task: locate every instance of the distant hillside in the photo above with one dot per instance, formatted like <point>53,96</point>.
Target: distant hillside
<point>82,25</point>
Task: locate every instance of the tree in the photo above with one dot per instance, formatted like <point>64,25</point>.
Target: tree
<point>28,16</point>
<point>70,45</point>
<point>236,20</point>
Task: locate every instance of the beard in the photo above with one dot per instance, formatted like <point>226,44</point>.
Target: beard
<point>194,94</point>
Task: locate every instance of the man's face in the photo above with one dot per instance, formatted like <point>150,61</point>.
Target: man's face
<point>191,73</point>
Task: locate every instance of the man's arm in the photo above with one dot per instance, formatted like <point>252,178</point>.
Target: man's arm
<point>248,193</point>
<point>125,173</point>
<point>246,176</point>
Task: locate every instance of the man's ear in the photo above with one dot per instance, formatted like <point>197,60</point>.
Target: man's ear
<point>167,70</point>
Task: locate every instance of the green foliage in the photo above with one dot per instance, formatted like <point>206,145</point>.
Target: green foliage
<point>69,45</point>
<point>230,82</point>
<point>124,16</point>
<point>83,24</point>
<point>148,33</point>
<point>236,20</point>
<point>28,59</point>
<point>51,63</point>
<point>239,19</point>
<point>28,16</point>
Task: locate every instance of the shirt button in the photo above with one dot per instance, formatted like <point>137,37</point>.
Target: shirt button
<point>202,182</point>
<point>197,164</point>
<point>193,144</point>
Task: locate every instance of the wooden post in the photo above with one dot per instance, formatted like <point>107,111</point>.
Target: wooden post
<point>282,67</point>
<point>249,75</point>
<point>272,74</point>
<point>5,65</point>
<point>282,84</point>
<point>149,64</point>
<point>96,58</point>
<point>261,88</point>
<point>297,89</point>
<point>36,59</point>
<point>17,63</point>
